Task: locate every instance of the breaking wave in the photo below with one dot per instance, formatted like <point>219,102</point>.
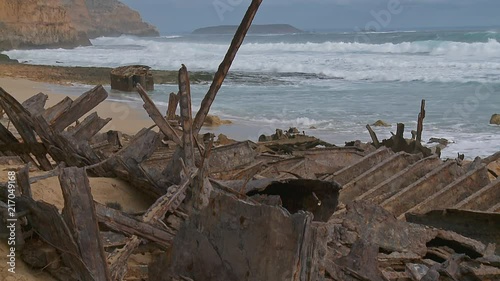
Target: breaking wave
<point>429,61</point>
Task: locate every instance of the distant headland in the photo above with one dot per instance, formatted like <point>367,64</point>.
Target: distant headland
<point>254,29</point>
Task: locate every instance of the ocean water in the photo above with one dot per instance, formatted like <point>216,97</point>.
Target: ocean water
<point>334,82</point>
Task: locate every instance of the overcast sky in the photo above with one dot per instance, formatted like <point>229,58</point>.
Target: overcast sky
<point>174,16</point>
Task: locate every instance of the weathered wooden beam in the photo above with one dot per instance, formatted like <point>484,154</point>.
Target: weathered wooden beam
<point>63,147</point>
<point>155,114</point>
<point>186,117</point>
<point>23,122</point>
<point>52,113</point>
<point>420,124</point>
<point>23,181</point>
<point>373,135</point>
<point>221,73</point>
<point>168,202</point>
<point>80,107</point>
<point>173,101</point>
<point>90,126</point>
<point>140,148</point>
<point>121,222</point>
<point>80,216</point>
<point>52,228</point>
<point>36,104</point>
<point>9,143</point>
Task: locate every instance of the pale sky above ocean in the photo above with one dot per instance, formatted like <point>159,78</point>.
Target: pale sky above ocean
<point>172,16</point>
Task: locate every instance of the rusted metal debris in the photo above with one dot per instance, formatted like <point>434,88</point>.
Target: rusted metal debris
<point>289,208</point>
<point>125,78</point>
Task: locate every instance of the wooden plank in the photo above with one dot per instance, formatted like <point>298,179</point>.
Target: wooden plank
<point>373,135</point>
<point>168,202</point>
<point>51,228</point>
<point>186,117</point>
<point>80,216</point>
<point>8,140</point>
<point>221,73</point>
<point>52,113</point>
<point>173,101</point>
<point>22,120</point>
<point>23,181</point>
<point>140,148</point>
<point>36,104</point>
<point>80,107</point>
<point>65,148</point>
<point>121,222</point>
<point>155,114</point>
<point>22,149</point>
<point>90,126</point>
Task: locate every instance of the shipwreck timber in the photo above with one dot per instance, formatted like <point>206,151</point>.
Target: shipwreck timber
<point>291,209</point>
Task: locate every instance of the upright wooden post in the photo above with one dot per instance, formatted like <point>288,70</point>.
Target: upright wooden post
<point>420,124</point>
<point>221,73</point>
<point>173,100</point>
<point>80,216</point>
<point>186,117</point>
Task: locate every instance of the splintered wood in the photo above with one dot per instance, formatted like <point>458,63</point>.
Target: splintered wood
<point>289,207</point>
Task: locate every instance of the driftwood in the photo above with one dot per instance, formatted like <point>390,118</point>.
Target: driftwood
<point>221,73</point>
<point>420,123</point>
<point>373,135</point>
<point>186,117</point>
<point>89,127</point>
<point>173,101</point>
<point>79,107</point>
<point>80,216</point>
<point>57,110</point>
<point>118,260</point>
<point>52,228</point>
<point>35,105</point>
<point>155,114</point>
<point>121,222</point>
<point>21,119</point>
<point>281,209</point>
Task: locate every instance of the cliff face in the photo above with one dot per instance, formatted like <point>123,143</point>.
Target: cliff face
<point>37,24</point>
<point>66,23</point>
<point>107,18</point>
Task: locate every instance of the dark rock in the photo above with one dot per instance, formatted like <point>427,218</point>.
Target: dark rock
<point>380,123</point>
<point>441,141</point>
<point>6,59</point>
<point>495,119</point>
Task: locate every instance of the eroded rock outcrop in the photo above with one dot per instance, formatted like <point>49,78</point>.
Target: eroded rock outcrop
<point>37,24</point>
<point>66,23</point>
<point>106,18</point>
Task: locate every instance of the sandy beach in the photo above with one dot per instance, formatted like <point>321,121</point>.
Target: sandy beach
<point>125,118</point>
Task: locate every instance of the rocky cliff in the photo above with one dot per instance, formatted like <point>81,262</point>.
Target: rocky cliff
<point>106,18</point>
<point>37,24</point>
<point>66,23</point>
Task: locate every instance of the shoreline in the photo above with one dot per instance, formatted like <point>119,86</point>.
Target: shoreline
<point>68,75</point>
